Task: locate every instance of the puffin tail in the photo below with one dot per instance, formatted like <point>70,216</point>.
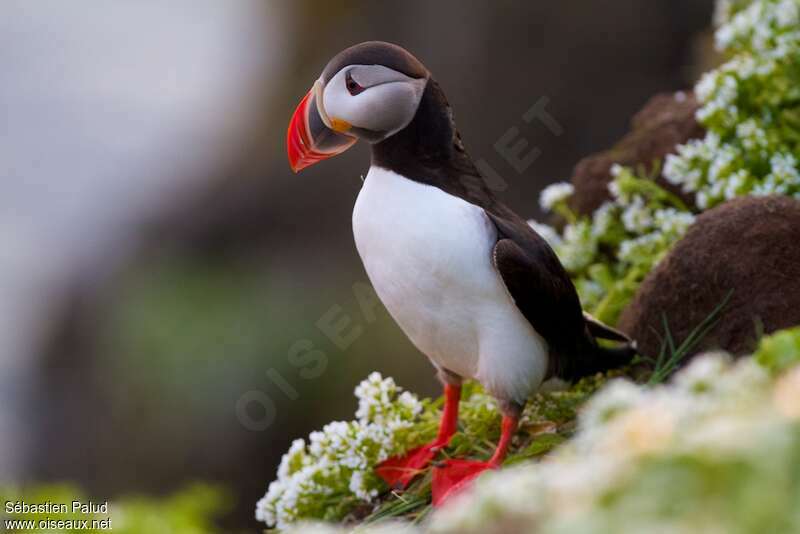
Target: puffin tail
<point>601,330</point>
<point>613,357</point>
<point>604,357</point>
<point>587,357</point>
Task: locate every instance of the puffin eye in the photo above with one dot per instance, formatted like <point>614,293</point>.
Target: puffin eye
<point>352,86</point>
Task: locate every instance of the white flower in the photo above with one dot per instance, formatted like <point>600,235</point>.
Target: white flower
<point>784,169</point>
<point>613,187</point>
<point>751,135</point>
<point>555,193</point>
<point>359,487</point>
<point>672,221</point>
<point>643,429</point>
<point>603,218</point>
<point>786,13</point>
<point>616,397</point>
<point>410,401</point>
<point>701,374</point>
<point>340,458</point>
<point>578,247</point>
<point>636,217</point>
<point>641,250</point>
<point>702,199</point>
<point>705,86</point>
<point>737,184</point>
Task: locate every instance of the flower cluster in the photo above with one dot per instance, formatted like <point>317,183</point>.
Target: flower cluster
<point>554,194</point>
<point>711,451</point>
<point>715,450</point>
<point>750,107</point>
<point>336,465</point>
<point>332,473</point>
<point>609,254</point>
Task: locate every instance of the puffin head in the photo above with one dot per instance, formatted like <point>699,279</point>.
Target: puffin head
<point>369,91</point>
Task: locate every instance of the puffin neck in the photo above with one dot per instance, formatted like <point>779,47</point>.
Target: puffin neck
<point>429,151</point>
<point>428,140</point>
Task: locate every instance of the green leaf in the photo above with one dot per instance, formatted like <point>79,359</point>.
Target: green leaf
<point>780,351</point>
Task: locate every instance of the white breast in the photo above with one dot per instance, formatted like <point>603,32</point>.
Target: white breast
<point>428,255</point>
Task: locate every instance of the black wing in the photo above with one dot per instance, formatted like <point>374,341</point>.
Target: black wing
<point>544,293</point>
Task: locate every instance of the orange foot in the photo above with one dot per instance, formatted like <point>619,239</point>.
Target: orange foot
<point>398,471</point>
<point>454,476</point>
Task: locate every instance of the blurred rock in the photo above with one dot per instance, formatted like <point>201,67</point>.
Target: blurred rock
<point>748,246</point>
<point>665,121</point>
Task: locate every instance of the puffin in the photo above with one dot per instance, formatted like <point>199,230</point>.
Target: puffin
<point>471,284</point>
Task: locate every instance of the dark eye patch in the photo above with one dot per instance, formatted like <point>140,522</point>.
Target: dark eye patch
<point>352,86</point>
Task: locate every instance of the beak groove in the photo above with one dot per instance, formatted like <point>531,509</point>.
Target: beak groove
<point>309,139</point>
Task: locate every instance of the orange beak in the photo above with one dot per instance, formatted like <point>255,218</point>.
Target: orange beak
<point>309,139</point>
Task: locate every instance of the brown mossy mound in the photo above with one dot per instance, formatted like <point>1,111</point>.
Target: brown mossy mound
<point>750,246</point>
<point>667,120</point>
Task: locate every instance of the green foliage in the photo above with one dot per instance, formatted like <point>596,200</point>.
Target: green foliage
<point>751,110</point>
<point>780,351</point>
<point>331,475</point>
<point>671,355</point>
<point>715,449</point>
<point>609,254</point>
<point>334,472</point>
<point>190,511</point>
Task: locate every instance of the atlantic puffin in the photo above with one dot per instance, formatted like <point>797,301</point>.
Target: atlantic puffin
<point>471,284</point>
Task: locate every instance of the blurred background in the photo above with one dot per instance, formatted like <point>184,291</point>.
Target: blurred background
<point>159,263</point>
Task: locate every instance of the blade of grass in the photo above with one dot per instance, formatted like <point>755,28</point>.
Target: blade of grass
<point>664,368</point>
<point>403,505</point>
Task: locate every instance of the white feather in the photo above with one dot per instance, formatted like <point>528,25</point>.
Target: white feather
<point>428,255</point>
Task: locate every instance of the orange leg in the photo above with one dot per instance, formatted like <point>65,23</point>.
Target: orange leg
<point>455,475</point>
<point>398,471</point>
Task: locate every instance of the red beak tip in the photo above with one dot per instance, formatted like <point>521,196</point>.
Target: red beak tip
<point>299,164</point>
<point>300,145</point>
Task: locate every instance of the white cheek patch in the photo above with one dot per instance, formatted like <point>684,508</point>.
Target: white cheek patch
<point>386,106</point>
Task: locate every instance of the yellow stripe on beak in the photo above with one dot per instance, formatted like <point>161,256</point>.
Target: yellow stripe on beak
<point>339,125</point>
